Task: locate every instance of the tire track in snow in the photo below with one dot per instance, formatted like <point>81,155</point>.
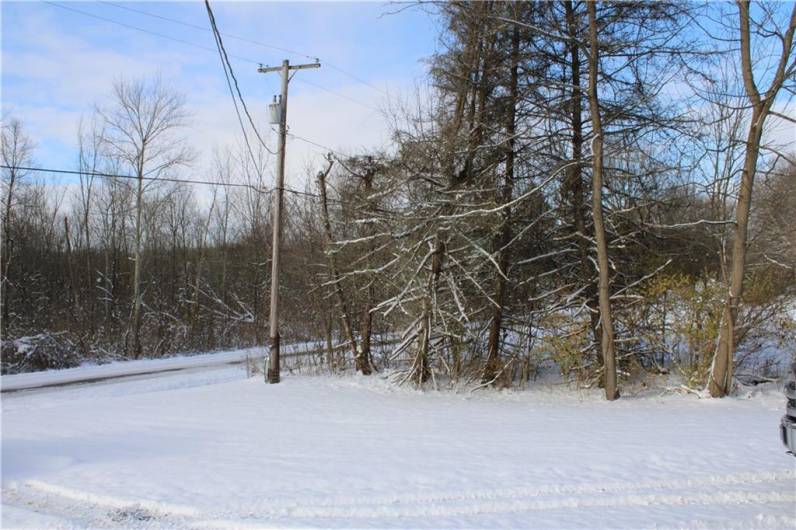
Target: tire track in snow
<point>517,506</point>
<point>758,522</point>
<point>537,491</point>
<point>87,510</point>
<point>482,502</point>
<point>111,502</point>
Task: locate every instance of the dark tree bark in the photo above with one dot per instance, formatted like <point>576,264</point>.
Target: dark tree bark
<point>503,238</point>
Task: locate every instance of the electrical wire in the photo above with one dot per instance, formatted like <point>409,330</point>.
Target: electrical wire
<point>136,28</point>
<point>316,144</point>
<point>237,111</point>
<point>228,67</point>
<point>228,72</point>
<point>132,177</point>
<point>338,94</point>
<point>250,41</point>
<point>206,48</point>
<point>55,171</point>
<point>201,47</point>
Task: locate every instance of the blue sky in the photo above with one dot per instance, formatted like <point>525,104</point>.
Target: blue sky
<point>58,63</point>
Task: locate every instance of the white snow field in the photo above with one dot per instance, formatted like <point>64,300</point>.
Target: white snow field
<point>212,449</point>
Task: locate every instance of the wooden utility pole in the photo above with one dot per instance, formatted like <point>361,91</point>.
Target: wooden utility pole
<point>272,373</point>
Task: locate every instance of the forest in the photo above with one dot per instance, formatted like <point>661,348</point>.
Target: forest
<point>601,189</point>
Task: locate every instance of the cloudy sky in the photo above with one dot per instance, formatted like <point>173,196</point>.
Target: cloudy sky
<point>59,60</point>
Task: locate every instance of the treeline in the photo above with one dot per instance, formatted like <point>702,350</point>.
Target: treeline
<point>590,186</point>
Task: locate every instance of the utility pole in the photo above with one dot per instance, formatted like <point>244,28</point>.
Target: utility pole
<point>272,373</point>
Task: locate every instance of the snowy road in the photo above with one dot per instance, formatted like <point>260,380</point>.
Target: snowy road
<point>291,353</point>
<point>211,449</point>
<point>144,367</point>
<point>123,369</point>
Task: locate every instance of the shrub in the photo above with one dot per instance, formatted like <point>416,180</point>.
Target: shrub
<point>45,351</point>
<point>566,341</point>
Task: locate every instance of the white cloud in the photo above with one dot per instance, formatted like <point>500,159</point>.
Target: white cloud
<point>781,132</point>
<point>59,77</point>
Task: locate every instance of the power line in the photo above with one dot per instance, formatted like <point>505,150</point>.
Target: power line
<point>237,111</point>
<point>199,46</point>
<point>136,28</point>
<point>250,41</point>
<point>58,172</point>
<point>355,78</point>
<point>132,177</point>
<point>202,28</point>
<point>338,94</point>
<point>316,144</point>
<point>222,52</point>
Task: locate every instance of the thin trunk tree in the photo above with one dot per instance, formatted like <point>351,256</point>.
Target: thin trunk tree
<point>720,381</point>
<point>140,128</point>
<point>16,152</point>
<point>600,237</point>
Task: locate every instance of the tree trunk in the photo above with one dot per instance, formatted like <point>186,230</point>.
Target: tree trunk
<point>575,180</point>
<point>361,362</point>
<point>504,236</point>
<point>366,325</point>
<point>720,381</point>
<point>421,369</point>
<point>6,255</point>
<point>604,288</point>
<point>136,350</point>
<point>330,358</point>
<point>89,281</point>
<point>72,280</point>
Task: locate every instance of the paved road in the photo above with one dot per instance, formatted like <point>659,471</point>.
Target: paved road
<point>126,369</point>
<point>123,370</point>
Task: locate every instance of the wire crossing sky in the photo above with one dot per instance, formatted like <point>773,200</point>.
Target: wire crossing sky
<point>59,60</point>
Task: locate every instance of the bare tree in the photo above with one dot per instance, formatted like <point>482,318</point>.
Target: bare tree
<point>140,124</point>
<point>721,371</point>
<point>362,361</point>
<point>17,148</point>
<point>91,138</point>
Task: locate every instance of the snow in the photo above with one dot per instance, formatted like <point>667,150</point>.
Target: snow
<point>211,449</point>
<point>122,369</point>
<point>128,368</point>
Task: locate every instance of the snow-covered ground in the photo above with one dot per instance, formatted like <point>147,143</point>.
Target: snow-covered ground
<point>212,449</point>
